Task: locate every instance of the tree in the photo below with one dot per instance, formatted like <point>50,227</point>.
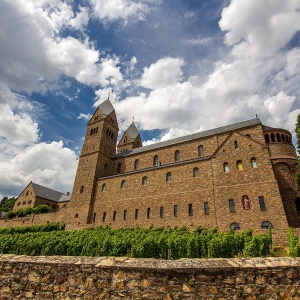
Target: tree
<point>7,204</point>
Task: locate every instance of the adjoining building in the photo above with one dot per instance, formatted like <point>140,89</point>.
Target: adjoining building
<point>240,175</point>
<point>34,195</point>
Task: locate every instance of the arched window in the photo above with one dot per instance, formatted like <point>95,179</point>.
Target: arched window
<point>136,164</point>
<point>112,135</point>
<point>226,167</point>
<point>105,166</point>
<point>236,145</point>
<point>248,135</point>
<point>239,165</point>
<point>196,172</point>
<point>266,225</point>
<point>119,167</point>
<point>253,162</point>
<point>144,180</point>
<point>278,137</point>
<point>81,189</point>
<point>267,138</point>
<point>235,226</point>
<point>177,155</point>
<point>168,177</point>
<point>273,137</point>
<point>91,132</point>
<point>103,187</point>
<point>123,184</point>
<point>297,203</point>
<point>155,160</point>
<point>200,151</point>
<point>283,137</point>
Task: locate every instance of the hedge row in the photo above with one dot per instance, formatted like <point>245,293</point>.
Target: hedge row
<point>28,211</point>
<point>139,242</point>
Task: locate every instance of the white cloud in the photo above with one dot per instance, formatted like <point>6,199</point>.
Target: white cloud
<point>48,164</point>
<point>120,9</point>
<point>84,116</point>
<point>259,29</point>
<point>165,72</point>
<point>18,128</point>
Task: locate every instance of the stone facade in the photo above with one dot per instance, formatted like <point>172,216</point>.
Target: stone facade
<point>240,175</point>
<point>34,195</point>
<point>76,278</point>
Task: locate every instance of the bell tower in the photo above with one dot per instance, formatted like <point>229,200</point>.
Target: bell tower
<point>96,160</point>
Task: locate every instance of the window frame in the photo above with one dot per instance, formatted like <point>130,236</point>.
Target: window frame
<point>231,205</point>
<point>196,172</point>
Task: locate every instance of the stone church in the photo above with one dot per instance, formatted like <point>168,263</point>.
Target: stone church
<point>240,175</point>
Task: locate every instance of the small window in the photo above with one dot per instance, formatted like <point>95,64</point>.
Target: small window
<point>206,208</point>
<point>148,213</point>
<point>236,145</point>
<point>239,165</point>
<point>114,215</point>
<point>53,206</point>
<point>144,180</point>
<point>123,184</point>
<point>81,189</point>
<point>104,217</point>
<point>94,217</point>
<point>136,215</point>
<point>266,225</point>
<point>168,177</point>
<point>105,166</point>
<point>273,137</point>
<point>226,167</point>
<point>278,137</point>
<point>196,172</point>
<point>235,226</point>
<point>253,163</point>
<point>125,214</point>
<point>91,132</point>
<point>136,164</point>
<point>175,210</point>
<point>19,203</point>
<point>248,135</point>
<point>262,203</point>
<point>190,209</point>
<point>27,193</point>
<point>246,202</point>
<point>231,205</point>
<point>24,202</point>
<point>119,167</point>
<point>103,187</point>
<point>155,160</point>
<point>29,202</point>
<point>283,137</point>
<point>76,216</point>
<point>297,203</point>
<point>267,138</point>
<point>200,151</point>
<point>161,211</point>
<point>177,155</point>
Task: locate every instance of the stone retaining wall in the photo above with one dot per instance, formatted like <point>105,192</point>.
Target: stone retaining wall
<point>88,278</point>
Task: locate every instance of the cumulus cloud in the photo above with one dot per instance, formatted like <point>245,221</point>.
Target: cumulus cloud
<point>258,31</point>
<point>120,9</point>
<point>165,72</point>
<point>49,164</point>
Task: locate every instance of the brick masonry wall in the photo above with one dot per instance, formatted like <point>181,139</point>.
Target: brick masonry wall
<point>76,278</point>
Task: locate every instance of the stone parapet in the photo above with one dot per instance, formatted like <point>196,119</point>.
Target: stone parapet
<point>54,277</point>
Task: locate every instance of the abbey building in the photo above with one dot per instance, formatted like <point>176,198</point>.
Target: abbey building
<point>240,175</point>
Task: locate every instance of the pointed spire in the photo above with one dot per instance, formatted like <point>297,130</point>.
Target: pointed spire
<point>132,131</point>
<point>106,107</point>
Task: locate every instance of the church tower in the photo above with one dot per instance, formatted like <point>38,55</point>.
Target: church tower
<point>96,160</point>
<point>131,139</point>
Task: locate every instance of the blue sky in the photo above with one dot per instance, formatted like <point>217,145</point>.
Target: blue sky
<point>177,66</point>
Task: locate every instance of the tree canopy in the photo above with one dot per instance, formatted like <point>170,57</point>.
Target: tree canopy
<point>7,204</point>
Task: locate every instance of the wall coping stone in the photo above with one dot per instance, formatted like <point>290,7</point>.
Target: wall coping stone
<point>180,266</point>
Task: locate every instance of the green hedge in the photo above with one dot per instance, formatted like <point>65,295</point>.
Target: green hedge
<point>161,243</point>
<point>28,211</point>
